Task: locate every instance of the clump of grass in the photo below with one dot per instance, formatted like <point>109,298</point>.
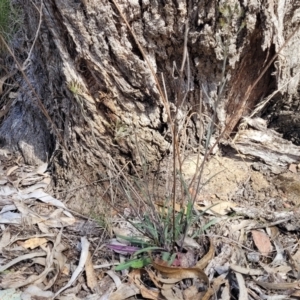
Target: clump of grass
<point>166,227</point>
<point>152,214</point>
<point>9,21</point>
<point>163,227</point>
<point>164,216</point>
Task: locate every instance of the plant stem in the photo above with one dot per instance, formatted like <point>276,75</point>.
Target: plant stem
<point>174,183</point>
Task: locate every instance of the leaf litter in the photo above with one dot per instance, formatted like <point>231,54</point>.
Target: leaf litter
<point>250,251</point>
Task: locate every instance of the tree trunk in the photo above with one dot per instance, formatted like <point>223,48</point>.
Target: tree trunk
<point>91,73</point>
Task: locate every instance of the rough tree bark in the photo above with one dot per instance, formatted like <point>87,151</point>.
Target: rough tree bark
<point>89,73</point>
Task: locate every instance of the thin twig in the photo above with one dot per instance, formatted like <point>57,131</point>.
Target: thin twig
<point>40,11</point>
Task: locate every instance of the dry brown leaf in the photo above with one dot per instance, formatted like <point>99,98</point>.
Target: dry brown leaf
<point>190,292</point>
<point>172,293</point>
<point>59,223</point>
<point>278,285</point>
<point>217,207</point>
<point>126,290</point>
<point>203,262</point>
<point>167,280</point>
<point>189,243</point>
<point>3,180</point>
<point>135,276</point>
<point>284,269</point>
<point>38,186</point>
<point>293,168</point>
<point>33,243</point>
<point>296,294</point>
<point>193,194</point>
<point>246,271</point>
<point>273,232</point>
<point>28,215</point>
<point>262,242</point>
<point>33,279</point>
<point>215,287</point>
<point>61,259</point>
<point>204,208</point>
<point>221,207</point>
<point>20,258</point>
<point>41,169</point>
<point>106,286</point>
<point>83,257</point>
<point>226,293</point>
<point>39,260</point>
<point>154,278</point>
<point>243,293</point>
<point>10,217</point>
<point>11,170</point>
<point>46,180</point>
<point>179,273</point>
<point>268,268</point>
<point>8,279</point>
<point>43,228</point>
<point>74,290</point>
<point>169,283</point>
<point>113,275</point>
<point>90,273</point>
<point>46,198</point>
<point>34,292</point>
<point>243,224</point>
<point>66,269</point>
<point>52,263</point>
<point>203,295</point>
<point>56,270</point>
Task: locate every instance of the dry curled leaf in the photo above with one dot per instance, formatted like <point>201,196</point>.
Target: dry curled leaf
<point>135,275</point>
<point>203,262</point>
<point>293,168</point>
<point>179,273</point>
<point>262,242</point>
<point>126,290</point>
<point>90,273</point>
<point>33,242</point>
<point>278,285</point>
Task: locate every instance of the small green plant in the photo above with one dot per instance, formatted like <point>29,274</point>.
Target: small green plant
<point>139,259</point>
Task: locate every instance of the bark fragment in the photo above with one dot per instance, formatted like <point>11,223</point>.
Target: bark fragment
<point>266,144</point>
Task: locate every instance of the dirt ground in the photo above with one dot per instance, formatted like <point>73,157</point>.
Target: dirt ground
<point>248,200</point>
<point>243,181</point>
